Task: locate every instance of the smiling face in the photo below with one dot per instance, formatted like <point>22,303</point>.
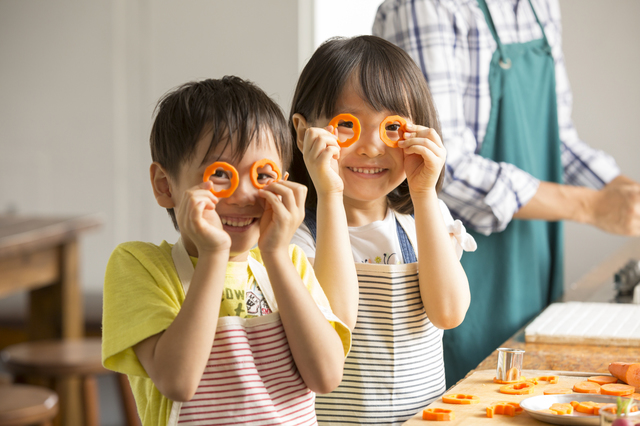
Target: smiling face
<point>369,168</point>
<point>241,212</point>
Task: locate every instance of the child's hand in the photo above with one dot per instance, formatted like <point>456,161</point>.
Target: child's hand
<point>283,214</point>
<point>199,221</point>
<point>321,153</point>
<point>424,157</point>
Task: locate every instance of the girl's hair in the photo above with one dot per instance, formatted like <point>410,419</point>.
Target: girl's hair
<point>388,80</point>
<point>234,111</point>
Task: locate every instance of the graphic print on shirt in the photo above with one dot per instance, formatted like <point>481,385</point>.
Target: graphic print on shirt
<point>249,303</point>
<point>385,260</point>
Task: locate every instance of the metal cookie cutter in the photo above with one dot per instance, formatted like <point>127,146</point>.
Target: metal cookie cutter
<point>509,364</point>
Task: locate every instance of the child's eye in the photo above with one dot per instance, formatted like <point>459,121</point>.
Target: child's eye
<point>266,177</point>
<point>347,124</point>
<point>221,174</point>
<point>393,127</point>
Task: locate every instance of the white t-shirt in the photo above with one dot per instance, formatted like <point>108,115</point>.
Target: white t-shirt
<point>378,242</point>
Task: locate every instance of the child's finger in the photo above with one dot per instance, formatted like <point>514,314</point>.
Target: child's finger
<point>286,195</point>
<point>274,201</point>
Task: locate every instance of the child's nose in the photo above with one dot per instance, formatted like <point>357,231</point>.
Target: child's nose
<point>370,143</point>
<point>245,194</point>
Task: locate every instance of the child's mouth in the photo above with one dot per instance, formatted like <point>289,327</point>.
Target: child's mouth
<point>236,224</point>
<point>367,170</point>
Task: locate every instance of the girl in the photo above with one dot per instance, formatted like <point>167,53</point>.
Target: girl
<point>213,330</point>
<point>393,215</point>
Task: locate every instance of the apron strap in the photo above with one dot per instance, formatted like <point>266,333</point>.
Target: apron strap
<point>184,267</point>
<point>406,226</point>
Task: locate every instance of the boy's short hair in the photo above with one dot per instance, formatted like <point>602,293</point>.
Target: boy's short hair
<point>233,110</point>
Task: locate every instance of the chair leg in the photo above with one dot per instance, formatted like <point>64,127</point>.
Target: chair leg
<point>128,402</point>
<point>91,404</point>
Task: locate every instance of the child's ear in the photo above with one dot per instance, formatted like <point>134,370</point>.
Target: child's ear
<point>300,124</point>
<point>161,186</point>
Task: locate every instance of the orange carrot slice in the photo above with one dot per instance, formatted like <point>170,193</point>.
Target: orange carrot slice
<point>523,388</point>
<point>262,163</point>
<point>211,169</point>
<point>460,399</point>
<point>383,129</point>
<point>551,379</point>
<point>356,128</point>
<point>439,414</point>
<point>585,407</point>
<point>504,407</point>
<point>557,391</point>
<point>562,408</point>
<point>602,380</point>
<point>586,387</point>
<point>617,389</point>
<point>627,372</point>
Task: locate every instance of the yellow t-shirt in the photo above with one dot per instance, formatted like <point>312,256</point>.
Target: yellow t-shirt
<point>142,297</point>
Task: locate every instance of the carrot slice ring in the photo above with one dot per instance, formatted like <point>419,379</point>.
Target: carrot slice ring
<point>262,163</point>
<point>439,414</point>
<point>551,379</point>
<point>227,167</point>
<point>617,389</point>
<point>356,128</point>
<point>557,391</point>
<point>523,388</point>
<point>460,398</point>
<point>503,407</point>
<point>562,408</point>
<point>383,129</point>
<point>603,380</point>
<point>586,387</point>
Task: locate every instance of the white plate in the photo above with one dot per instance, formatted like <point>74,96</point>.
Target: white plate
<point>533,404</point>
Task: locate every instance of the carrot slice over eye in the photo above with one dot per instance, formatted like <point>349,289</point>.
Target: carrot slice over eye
<point>211,169</point>
<point>460,399</point>
<point>356,128</point>
<point>383,129</point>
<point>522,388</point>
<point>603,380</point>
<point>262,163</point>
<point>440,414</point>
<point>586,387</point>
<point>617,389</point>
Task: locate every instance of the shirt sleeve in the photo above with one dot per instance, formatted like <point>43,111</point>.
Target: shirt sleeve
<point>141,299</point>
<point>303,239</point>
<point>463,241</point>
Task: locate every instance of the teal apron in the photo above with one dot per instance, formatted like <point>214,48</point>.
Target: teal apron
<point>515,273</point>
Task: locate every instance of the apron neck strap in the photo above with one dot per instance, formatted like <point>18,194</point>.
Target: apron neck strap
<point>185,269</point>
<point>408,224</point>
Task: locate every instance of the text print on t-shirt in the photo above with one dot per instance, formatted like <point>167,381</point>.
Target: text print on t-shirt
<point>252,300</point>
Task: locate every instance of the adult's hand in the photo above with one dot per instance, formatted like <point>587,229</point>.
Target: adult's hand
<point>617,207</point>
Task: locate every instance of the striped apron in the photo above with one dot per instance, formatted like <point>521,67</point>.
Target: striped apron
<point>395,367</point>
<point>251,377</point>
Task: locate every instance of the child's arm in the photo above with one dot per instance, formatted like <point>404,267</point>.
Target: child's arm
<point>315,345</point>
<point>333,262</point>
<point>176,358</point>
<point>444,287</point>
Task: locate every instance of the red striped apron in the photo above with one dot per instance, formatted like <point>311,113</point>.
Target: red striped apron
<point>251,377</point>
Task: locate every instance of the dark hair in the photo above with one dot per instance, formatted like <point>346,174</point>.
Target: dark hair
<point>388,79</point>
<point>234,110</point>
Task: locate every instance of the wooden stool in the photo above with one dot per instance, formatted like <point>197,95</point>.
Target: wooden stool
<point>63,359</point>
<point>22,405</point>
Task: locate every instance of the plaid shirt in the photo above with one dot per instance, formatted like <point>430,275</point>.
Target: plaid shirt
<point>452,44</point>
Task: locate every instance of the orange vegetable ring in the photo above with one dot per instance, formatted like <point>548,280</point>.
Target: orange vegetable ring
<point>617,389</point>
<point>356,128</point>
<point>522,388</point>
<point>440,414</point>
<point>509,382</point>
<point>503,407</point>
<point>561,408</point>
<point>551,379</point>
<point>227,167</point>
<point>557,391</point>
<point>460,398</point>
<point>262,163</point>
<point>586,387</point>
<point>603,380</point>
<point>383,129</point>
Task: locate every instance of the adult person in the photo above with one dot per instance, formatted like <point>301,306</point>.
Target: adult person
<point>516,166</point>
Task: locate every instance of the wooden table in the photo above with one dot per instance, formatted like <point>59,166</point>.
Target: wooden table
<point>40,255</point>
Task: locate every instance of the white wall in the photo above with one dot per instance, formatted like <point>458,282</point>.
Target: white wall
<point>79,81</point>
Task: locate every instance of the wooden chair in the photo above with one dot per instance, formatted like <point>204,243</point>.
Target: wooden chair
<point>60,360</point>
<point>22,405</point>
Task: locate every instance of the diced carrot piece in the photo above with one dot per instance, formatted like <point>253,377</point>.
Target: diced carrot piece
<point>586,387</point>
<point>617,389</point>
<point>603,380</point>
<point>557,391</point>
<point>523,388</point>
<point>574,404</point>
<point>627,372</point>
<point>438,414</point>
<point>562,408</point>
<point>460,399</point>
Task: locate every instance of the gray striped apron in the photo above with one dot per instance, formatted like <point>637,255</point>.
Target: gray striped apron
<point>395,367</point>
